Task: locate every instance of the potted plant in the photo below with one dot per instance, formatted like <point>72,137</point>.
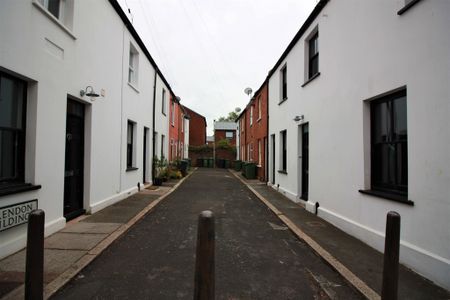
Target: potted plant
<point>160,170</point>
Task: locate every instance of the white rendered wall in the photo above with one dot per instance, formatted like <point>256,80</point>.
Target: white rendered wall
<point>162,120</point>
<point>57,64</point>
<point>365,50</point>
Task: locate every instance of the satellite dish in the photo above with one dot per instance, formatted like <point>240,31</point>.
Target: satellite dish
<point>248,91</point>
<point>237,109</point>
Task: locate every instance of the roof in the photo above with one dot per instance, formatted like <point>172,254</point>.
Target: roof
<point>191,113</point>
<point>316,11</point>
<point>225,126</point>
<point>115,4</point>
<point>251,99</point>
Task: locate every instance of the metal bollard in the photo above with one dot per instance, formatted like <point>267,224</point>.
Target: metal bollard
<point>34,268</point>
<point>389,290</point>
<point>204,264</point>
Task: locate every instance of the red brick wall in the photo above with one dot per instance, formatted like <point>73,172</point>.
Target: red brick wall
<point>197,128</point>
<point>257,132</point>
<point>221,135</point>
<point>220,154</point>
<point>174,129</point>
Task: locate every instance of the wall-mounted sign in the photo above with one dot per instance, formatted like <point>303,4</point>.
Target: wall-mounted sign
<point>16,214</point>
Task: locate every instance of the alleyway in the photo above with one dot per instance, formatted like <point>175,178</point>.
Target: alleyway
<point>256,256</point>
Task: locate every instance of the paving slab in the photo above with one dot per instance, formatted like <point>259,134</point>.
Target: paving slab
<point>85,227</point>
<point>73,241</point>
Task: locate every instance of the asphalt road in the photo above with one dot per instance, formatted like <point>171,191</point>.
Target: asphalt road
<point>257,257</point>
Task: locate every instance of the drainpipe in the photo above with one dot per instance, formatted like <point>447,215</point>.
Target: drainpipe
<point>153,125</point>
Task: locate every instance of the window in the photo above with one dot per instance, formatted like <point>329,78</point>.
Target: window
<point>162,145</point>
<point>163,102</point>
<point>229,134</point>
<point>251,152</point>
<point>12,129</point>
<point>251,115</point>
<point>133,66</point>
<point>172,114</point>
<point>313,55</point>
<point>182,123</point>
<point>55,7</point>
<point>283,76</point>
<point>181,150</point>
<point>389,144</point>
<point>259,152</point>
<point>283,151</point>
<point>259,108</point>
<point>130,143</point>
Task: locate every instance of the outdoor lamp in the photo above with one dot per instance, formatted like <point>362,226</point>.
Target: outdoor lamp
<point>90,93</point>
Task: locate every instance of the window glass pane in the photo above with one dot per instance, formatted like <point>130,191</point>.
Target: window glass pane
<point>130,133</point>
<point>381,121</point>
<point>8,152</point>
<point>53,7</point>
<point>402,164</point>
<point>400,131</point>
<point>11,103</point>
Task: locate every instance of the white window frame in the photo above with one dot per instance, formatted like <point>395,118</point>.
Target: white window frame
<point>133,66</point>
<point>172,114</point>
<point>259,153</point>
<point>259,108</point>
<point>251,115</point>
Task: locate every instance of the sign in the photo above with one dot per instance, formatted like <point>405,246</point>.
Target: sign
<point>16,214</point>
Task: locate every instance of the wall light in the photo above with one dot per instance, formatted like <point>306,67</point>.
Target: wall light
<point>90,93</point>
<point>299,118</point>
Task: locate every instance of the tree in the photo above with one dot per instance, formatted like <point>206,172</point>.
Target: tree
<point>232,116</point>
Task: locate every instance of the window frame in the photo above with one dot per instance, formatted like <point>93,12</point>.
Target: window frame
<point>251,115</point>
<point>133,66</point>
<point>163,101</point>
<point>313,59</point>
<point>131,140</point>
<point>391,139</point>
<point>19,137</point>
<point>283,152</point>
<point>172,113</point>
<point>259,108</point>
<point>283,84</point>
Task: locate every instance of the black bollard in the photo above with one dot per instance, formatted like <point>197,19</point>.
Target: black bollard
<point>34,269</point>
<point>204,264</point>
<point>389,290</point>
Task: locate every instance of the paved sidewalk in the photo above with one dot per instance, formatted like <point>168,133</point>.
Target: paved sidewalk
<point>83,239</point>
<point>355,260</point>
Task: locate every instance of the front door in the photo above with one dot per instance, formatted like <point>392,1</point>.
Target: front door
<point>305,161</point>
<point>272,138</point>
<point>144,158</point>
<point>74,165</point>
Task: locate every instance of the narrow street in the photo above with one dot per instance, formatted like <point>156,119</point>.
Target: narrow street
<point>256,256</point>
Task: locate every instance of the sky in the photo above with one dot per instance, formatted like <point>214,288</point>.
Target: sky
<point>210,51</point>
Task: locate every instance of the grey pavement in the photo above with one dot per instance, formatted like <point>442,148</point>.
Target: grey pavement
<point>257,257</point>
<point>80,241</point>
<point>364,261</point>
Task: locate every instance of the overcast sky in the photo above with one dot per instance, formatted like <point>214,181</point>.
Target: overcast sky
<point>211,50</point>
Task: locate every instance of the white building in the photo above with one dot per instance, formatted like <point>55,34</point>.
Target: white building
<point>359,106</point>
<point>72,151</point>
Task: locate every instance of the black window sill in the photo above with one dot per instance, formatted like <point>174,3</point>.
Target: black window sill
<point>131,169</point>
<point>311,79</point>
<point>390,196</point>
<point>282,101</point>
<point>282,172</point>
<point>407,7</point>
<point>18,188</point>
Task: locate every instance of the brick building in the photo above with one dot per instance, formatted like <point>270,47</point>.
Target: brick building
<point>252,125</point>
<point>225,130</point>
<point>178,120</point>
<point>197,128</point>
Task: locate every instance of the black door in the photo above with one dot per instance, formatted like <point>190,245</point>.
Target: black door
<point>273,158</point>
<point>73,175</point>
<point>144,159</point>
<point>305,161</point>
